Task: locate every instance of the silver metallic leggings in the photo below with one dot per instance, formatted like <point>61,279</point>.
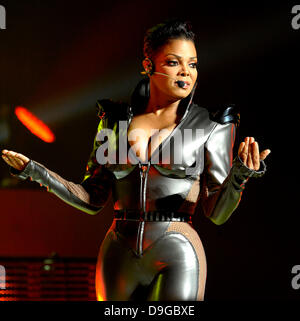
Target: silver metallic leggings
<point>149,261</point>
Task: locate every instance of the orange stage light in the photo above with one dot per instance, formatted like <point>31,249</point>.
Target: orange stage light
<point>35,125</point>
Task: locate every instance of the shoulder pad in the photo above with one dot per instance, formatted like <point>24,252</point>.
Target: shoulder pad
<point>113,110</point>
<point>226,115</point>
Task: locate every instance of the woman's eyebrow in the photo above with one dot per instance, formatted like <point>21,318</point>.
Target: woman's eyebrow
<point>179,57</point>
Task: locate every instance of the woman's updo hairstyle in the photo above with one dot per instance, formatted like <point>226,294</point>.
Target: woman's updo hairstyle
<point>154,39</point>
<point>162,33</point>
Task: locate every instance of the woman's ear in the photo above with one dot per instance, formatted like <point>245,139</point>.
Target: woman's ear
<point>148,66</point>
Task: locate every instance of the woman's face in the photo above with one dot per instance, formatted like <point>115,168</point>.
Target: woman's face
<point>178,60</point>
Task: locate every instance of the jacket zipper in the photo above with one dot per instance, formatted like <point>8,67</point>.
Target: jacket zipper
<point>144,169</point>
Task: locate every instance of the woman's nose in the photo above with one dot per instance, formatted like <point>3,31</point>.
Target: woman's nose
<point>184,71</point>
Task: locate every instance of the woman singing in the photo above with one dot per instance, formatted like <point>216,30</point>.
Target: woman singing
<point>162,154</point>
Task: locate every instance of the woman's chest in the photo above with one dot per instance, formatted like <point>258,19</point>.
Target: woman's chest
<point>172,148</point>
<point>147,132</point>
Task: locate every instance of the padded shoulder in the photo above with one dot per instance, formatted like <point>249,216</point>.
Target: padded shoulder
<point>228,114</point>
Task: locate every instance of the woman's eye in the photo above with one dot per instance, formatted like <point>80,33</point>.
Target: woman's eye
<point>175,63</point>
<point>172,62</point>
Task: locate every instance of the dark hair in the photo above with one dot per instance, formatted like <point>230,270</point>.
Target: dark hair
<point>160,34</point>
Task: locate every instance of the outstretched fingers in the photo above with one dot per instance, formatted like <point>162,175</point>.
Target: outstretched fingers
<point>243,151</point>
<point>255,155</point>
<point>7,160</point>
<point>250,155</point>
<point>264,154</point>
<point>240,151</point>
<point>14,159</point>
<point>250,152</point>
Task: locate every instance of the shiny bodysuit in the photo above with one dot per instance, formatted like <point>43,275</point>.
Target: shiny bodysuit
<point>152,251</point>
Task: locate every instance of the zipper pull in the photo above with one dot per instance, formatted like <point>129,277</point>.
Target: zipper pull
<point>144,168</point>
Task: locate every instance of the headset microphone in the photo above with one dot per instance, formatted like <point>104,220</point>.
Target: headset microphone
<point>180,83</point>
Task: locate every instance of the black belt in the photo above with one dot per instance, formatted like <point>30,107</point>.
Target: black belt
<point>152,216</point>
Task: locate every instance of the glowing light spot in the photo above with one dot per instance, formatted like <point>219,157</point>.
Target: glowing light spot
<point>99,297</point>
<point>34,125</point>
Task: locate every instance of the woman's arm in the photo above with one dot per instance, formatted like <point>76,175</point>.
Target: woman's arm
<point>225,178</point>
<point>90,196</point>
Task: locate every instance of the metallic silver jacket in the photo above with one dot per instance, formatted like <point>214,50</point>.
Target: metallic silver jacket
<point>207,171</point>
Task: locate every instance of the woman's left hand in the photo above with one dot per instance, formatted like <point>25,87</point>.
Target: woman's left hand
<point>249,153</point>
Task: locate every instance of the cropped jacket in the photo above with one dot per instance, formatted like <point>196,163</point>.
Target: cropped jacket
<point>193,164</point>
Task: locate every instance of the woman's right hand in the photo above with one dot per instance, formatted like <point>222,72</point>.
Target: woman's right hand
<point>15,160</point>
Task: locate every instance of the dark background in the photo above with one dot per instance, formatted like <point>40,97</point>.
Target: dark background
<point>57,58</point>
